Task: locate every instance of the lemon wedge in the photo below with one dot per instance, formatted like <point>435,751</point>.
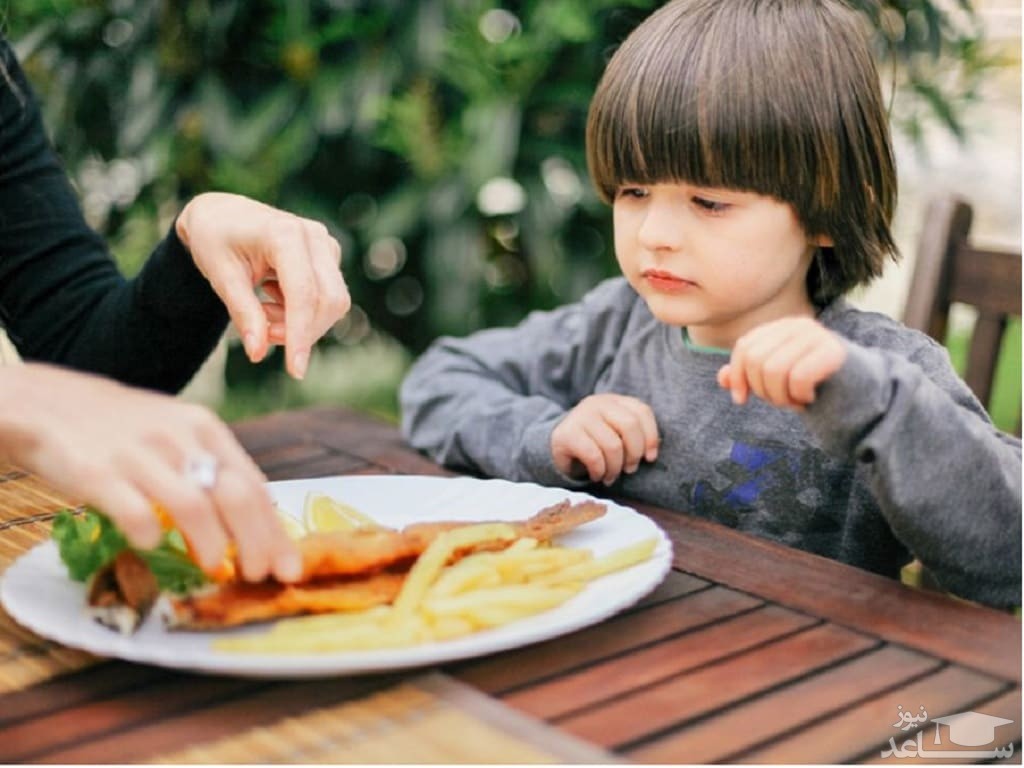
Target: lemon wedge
<point>322,513</point>
<point>294,528</point>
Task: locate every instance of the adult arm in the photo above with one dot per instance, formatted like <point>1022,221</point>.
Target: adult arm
<point>62,298</point>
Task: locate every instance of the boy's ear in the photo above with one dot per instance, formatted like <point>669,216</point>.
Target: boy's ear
<point>823,241</point>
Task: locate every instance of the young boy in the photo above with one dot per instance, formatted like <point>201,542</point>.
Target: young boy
<point>744,148</point>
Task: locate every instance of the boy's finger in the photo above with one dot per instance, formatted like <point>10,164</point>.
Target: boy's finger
<point>779,366</point>
<point>758,350</point>
<point>738,376</point>
<point>571,446</point>
<point>610,444</point>
<point>723,376</point>
<point>813,369</point>
<point>648,425</point>
<point>622,417</point>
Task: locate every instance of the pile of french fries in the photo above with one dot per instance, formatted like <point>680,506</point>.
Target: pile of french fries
<point>441,600</point>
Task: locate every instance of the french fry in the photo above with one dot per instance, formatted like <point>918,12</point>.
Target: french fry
<point>428,566</point>
<point>521,566</point>
<point>512,598</point>
<point>470,574</point>
<point>512,566</point>
<point>593,569</point>
<point>358,636</point>
<point>330,622</point>
<point>449,627</point>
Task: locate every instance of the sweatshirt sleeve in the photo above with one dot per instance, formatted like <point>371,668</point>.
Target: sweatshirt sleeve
<point>488,403</point>
<point>62,297</point>
<point>946,479</point>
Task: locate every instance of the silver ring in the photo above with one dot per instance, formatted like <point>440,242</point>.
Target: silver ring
<point>202,470</point>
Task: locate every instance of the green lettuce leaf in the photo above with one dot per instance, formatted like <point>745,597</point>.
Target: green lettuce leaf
<point>89,541</point>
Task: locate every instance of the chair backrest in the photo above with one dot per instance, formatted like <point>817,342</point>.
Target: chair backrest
<point>950,270</point>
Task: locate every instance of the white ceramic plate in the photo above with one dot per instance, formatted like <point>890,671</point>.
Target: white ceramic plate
<point>37,592</point>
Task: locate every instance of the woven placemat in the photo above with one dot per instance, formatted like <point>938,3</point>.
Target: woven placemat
<point>429,719</point>
<point>27,507</point>
<point>24,498</point>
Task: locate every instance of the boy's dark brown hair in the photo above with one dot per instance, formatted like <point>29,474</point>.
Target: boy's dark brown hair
<point>777,97</point>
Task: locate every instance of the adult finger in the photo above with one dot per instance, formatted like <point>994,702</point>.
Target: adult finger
<point>291,262</point>
<point>239,505</point>
<point>333,299</point>
<point>272,289</point>
<point>252,520</point>
<point>276,322</point>
<point>188,505</point>
<point>233,283</point>
<point>129,508</point>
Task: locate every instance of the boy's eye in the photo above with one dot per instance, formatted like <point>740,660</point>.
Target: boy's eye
<point>710,205</point>
<point>636,192</point>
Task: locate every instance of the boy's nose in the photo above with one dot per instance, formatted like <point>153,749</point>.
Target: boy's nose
<point>661,229</point>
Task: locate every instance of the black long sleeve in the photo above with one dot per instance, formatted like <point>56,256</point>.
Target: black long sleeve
<point>62,297</point>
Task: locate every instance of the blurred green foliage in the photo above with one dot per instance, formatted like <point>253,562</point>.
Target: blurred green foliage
<point>441,141</point>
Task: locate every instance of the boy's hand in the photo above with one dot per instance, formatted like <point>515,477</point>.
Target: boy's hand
<point>608,434</point>
<point>782,362</point>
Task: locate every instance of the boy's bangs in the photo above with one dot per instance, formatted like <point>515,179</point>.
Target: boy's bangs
<point>691,106</point>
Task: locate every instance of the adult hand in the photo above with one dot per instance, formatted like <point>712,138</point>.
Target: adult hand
<point>782,362</point>
<point>122,450</point>
<point>239,244</point>
<point>608,434</point>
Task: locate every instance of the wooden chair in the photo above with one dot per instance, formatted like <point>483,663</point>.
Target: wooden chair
<point>949,269</point>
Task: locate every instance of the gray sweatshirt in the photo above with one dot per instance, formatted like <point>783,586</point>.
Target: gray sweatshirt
<point>894,459</point>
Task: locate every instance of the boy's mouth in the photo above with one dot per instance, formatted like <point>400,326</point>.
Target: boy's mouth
<point>666,282</point>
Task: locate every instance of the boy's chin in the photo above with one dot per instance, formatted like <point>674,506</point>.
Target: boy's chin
<point>668,311</point>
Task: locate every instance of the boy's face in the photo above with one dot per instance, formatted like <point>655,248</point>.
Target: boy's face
<point>717,261</point>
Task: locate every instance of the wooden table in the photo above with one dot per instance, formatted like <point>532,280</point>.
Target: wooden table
<point>748,652</point>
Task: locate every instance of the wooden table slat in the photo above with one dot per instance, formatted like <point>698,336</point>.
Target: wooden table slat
<point>841,736</point>
<point>626,632</point>
<point>647,711</point>
<point>929,621</point>
<point>1006,705</point>
<point>328,465</point>
<point>676,584</point>
<point>618,676</point>
<point>794,706</point>
<point>100,680</point>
